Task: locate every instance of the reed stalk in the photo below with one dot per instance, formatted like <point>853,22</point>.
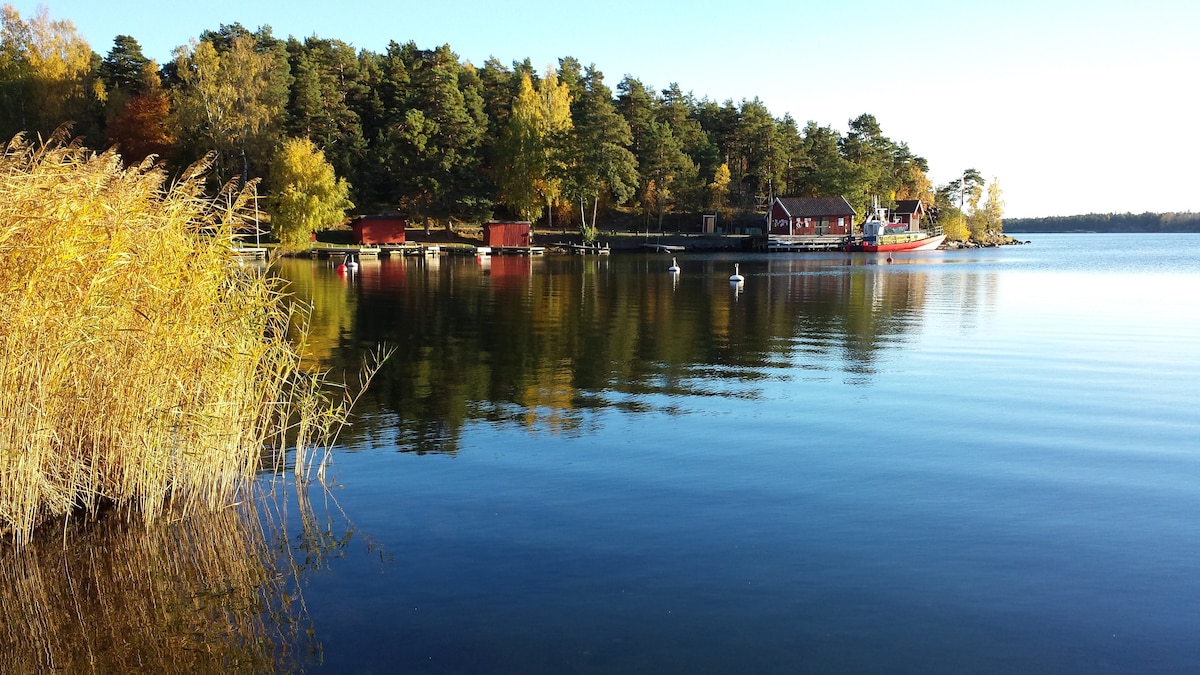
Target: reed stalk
<point>140,365</point>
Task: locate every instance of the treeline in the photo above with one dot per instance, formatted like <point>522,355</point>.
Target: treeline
<point>421,133</point>
<point>1109,222</point>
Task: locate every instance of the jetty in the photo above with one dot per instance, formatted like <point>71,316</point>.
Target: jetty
<point>250,252</point>
<point>663,248</point>
<point>343,251</point>
<point>584,249</point>
<point>784,242</point>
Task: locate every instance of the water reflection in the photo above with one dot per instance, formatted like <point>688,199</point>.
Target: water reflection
<point>212,592</point>
<point>538,342</point>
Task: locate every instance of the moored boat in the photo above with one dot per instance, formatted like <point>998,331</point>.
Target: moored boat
<point>883,234</point>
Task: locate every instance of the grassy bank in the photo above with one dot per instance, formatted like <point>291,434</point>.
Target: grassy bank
<point>141,366</point>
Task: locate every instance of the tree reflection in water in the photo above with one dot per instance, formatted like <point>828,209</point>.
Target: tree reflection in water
<point>544,344</point>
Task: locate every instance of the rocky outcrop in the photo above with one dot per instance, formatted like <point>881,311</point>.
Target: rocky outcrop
<point>991,242</point>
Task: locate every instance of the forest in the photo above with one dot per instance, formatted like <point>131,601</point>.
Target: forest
<point>322,129</point>
<point>1109,222</point>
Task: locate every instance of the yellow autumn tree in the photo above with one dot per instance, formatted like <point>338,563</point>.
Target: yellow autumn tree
<point>992,211</point>
<point>227,101</point>
<point>46,77</point>
<point>954,224</point>
<point>523,164</point>
<point>308,194</point>
<point>719,187</point>
<point>539,115</point>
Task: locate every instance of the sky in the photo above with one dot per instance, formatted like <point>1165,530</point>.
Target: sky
<point>1070,106</point>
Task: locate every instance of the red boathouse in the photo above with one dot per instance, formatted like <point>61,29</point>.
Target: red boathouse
<point>811,216</point>
<point>376,230</point>
<point>909,212</point>
<point>506,234</point>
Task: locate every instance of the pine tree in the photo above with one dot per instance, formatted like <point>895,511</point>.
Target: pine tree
<point>596,162</point>
<point>327,87</point>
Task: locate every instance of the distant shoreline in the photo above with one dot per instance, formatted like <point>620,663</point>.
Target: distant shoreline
<point>1138,223</point>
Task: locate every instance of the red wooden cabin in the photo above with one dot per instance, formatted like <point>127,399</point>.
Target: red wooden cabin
<point>379,230</point>
<point>506,234</point>
<point>811,216</point>
<point>909,212</point>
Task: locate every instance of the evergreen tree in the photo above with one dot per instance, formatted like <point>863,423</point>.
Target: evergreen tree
<point>386,79</point>
<point>122,68</point>
<point>823,172</point>
<point>327,86</point>
<point>666,173</point>
<point>636,105</point>
<point>432,135</point>
<point>676,113</point>
<point>596,162</point>
<point>791,152</point>
<point>719,123</point>
<point>758,153</point>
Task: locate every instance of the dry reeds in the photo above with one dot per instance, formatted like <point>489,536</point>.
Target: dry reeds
<point>140,365</point>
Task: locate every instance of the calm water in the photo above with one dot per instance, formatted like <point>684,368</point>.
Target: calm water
<point>983,461</point>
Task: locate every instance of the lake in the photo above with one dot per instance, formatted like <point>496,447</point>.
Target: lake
<point>944,462</point>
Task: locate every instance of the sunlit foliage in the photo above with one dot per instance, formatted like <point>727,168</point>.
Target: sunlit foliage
<point>308,196</point>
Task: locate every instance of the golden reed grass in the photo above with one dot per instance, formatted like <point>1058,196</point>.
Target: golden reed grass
<point>140,365</point>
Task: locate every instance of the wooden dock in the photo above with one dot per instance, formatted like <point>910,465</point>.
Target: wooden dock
<point>663,248</point>
<point>422,249</point>
<point>343,251</point>
<point>820,242</point>
<point>518,250</point>
<point>250,252</point>
<point>584,249</point>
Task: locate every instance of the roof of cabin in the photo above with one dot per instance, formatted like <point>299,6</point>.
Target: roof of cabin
<point>808,207</point>
<point>908,206</point>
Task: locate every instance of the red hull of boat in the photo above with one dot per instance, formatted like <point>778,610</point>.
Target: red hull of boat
<point>926,244</point>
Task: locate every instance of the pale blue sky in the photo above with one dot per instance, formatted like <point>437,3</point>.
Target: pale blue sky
<point>1075,106</point>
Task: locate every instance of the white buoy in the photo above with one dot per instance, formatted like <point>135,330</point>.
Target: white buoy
<point>674,268</point>
<point>352,264</point>
<point>736,278</point>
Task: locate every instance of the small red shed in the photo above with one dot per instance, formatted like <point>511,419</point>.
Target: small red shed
<point>909,212</point>
<point>506,234</point>
<point>811,216</point>
<point>379,230</point>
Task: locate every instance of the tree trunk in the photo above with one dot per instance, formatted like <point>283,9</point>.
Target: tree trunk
<point>245,168</point>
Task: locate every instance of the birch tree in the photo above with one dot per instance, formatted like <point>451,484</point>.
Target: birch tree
<point>228,100</point>
<point>46,75</point>
<point>538,119</point>
<point>992,211</point>
<point>308,194</point>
